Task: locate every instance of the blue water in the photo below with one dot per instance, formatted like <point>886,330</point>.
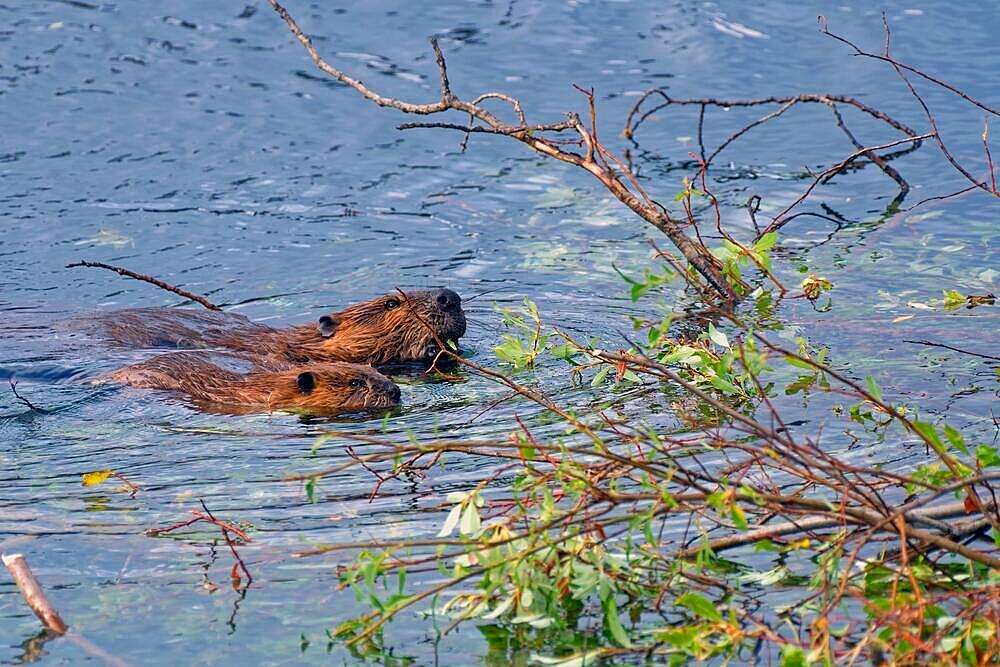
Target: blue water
<point>196,142</point>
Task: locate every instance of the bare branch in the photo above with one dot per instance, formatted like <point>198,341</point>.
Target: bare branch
<point>149,279</point>
<point>694,252</point>
<point>778,221</point>
<point>895,63</point>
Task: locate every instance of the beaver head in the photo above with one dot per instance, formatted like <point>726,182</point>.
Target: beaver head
<point>324,388</point>
<point>394,328</point>
<point>214,382</point>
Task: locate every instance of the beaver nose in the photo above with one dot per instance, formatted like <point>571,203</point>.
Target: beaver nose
<point>448,300</point>
<point>393,391</point>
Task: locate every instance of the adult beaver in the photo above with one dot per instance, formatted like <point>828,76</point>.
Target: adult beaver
<point>391,329</point>
<point>319,388</point>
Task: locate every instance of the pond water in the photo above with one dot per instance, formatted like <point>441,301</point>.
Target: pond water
<point>195,142</point>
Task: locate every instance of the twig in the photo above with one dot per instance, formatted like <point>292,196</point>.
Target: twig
<point>132,486</point>
<point>904,187</point>
<point>149,279</point>
<point>31,406</point>
<point>778,221</point>
<point>895,63</point>
<point>949,347</point>
<point>224,527</point>
<point>927,112</point>
<point>233,574</point>
<point>806,98</point>
<point>989,157</point>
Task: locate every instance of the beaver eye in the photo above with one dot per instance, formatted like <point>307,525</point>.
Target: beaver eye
<point>356,383</point>
<point>391,304</point>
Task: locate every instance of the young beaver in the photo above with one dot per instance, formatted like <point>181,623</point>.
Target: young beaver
<point>384,330</point>
<point>326,388</point>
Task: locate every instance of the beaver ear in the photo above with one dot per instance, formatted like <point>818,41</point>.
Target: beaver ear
<point>306,382</point>
<point>327,326</point>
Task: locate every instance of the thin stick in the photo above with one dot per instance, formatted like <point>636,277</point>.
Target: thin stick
<point>32,406</point>
<point>949,347</point>
<point>631,127</point>
<point>32,592</point>
<point>149,279</point>
<point>778,221</point>
<point>823,28</point>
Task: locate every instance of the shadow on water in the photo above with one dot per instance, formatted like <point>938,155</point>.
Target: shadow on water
<point>193,141</point>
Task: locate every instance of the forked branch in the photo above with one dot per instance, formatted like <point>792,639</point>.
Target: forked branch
<point>596,159</point>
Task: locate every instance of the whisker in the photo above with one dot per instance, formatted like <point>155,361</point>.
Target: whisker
<point>492,405</point>
<point>492,311</point>
<point>476,296</point>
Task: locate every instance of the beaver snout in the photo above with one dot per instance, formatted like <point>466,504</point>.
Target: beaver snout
<point>448,300</point>
<point>381,391</point>
<point>393,391</point>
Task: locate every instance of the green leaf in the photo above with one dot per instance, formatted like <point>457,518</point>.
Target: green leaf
<point>738,516</point>
<point>613,623</point>
<point>873,388</point>
<point>798,363</point>
<point>630,376</point>
<point>949,644</point>
<point>766,242</point>
<point>953,300</point>
<point>701,606</point>
<point>931,434</point>
<point>725,386</point>
<point>987,456</point>
<point>793,656</point>
<point>717,336</point>
<point>955,438</point>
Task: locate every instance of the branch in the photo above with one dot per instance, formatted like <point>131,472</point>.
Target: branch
<point>31,406</point>
<point>895,63</point>
<point>928,516</point>
<point>627,191</point>
<point>790,100</point>
<point>778,222</point>
<point>32,592</point>
<point>149,279</point>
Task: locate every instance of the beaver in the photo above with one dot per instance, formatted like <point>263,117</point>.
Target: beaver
<point>388,330</point>
<point>322,388</point>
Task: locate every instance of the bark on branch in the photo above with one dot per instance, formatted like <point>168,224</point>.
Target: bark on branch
<point>149,279</point>
<point>32,592</point>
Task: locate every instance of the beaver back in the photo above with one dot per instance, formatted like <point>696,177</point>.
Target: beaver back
<point>392,329</point>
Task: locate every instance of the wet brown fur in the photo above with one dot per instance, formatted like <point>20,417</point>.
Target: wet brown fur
<point>386,330</point>
<point>327,390</point>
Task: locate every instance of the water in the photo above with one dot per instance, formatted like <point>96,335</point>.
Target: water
<point>195,142</point>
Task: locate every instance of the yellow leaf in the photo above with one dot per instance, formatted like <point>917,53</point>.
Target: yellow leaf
<point>813,285</point>
<point>97,477</point>
<point>903,318</point>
